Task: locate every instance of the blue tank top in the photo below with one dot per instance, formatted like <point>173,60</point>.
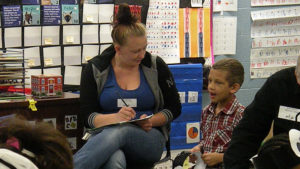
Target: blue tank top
<point>142,98</point>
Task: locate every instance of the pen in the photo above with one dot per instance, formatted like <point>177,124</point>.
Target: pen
<point>122,99</point>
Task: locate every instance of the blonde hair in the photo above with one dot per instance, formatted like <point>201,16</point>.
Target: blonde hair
<point>234,68</point>
<point>126,25</point>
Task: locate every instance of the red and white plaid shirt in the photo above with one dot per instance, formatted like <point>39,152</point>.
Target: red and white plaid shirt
<point>217,129</point>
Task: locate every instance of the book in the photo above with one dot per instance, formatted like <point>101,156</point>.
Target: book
<point>12,15</point>
<point>50,2</point>
<point>69,1</point>
<point>31,15</point>
<point>52,15</point>
<point>30,2</point>
<point>70,14</point>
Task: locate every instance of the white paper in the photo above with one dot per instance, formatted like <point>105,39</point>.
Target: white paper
<point>72,55</point>
<point>71,34</point>
<point>90,13</point>
<point>225,5</point>
<point>32,36</point>
<point>103,47</point>
<point>224,35</point>
<point>13,37</point>
<point>163,17</point>
<point>72,142</point>
<point>106,12</point>
<point>90,34</point>
<point>286,12</point>
<point>192,132</point>
<point>52,71</point>
<point>199,163</point>
<point>192,97</point>
<point>264,72</point>
<point>52,56</point>
<point>50,35</point>
<point>263,62</point>
<point>89,51</point>
<point>276,42</point>
<point>182,97</point>
<point>196,3</point>
<point>275,52</point>
<point>30,72</point>
<point>105,33</point>
<point>33,57</point>
<point>288,113</point>
<point>72,75</point>
<point>275,31</point>
<point>273,2</point>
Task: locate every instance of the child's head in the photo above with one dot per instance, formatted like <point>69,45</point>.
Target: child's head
<point>277,153</point>
<point>41,144</point>
<point>225,78</point>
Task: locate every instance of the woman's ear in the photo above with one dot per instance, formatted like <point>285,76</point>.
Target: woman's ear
<point>235,87</point>
<point>117,47</point>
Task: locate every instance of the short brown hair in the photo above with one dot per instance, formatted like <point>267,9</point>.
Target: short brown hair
<point>50,147</point>
<point>126,25</point>
<point>234,68</point>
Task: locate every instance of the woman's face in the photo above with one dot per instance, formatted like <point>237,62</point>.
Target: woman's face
<point>133,52</point>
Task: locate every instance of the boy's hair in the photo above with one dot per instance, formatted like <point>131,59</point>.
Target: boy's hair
<point>234,68</point>
<point>50,148</point>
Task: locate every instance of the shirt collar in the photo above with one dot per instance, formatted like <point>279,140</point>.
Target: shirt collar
<point>228,109</point>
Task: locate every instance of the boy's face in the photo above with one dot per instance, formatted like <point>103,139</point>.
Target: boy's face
<point>219,88</point>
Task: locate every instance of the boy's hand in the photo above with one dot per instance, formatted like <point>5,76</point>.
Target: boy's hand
<point>145,124</point>
<point>212,159</point>
<point>193,157</point>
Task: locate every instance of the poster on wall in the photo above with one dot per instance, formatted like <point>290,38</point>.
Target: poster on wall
<point>52,15</point>
<point>30,2</point>
<point>69,1</point>
<point>225,5</point>
<point>31,15</point>
<point>70,14</point>
<point>12,15</point>
<point>273,2</point>
<point>50,2</point>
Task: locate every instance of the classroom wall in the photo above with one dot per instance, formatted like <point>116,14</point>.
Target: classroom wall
<point>243,45</point>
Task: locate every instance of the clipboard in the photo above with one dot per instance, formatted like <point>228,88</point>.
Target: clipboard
<point>90,132</point>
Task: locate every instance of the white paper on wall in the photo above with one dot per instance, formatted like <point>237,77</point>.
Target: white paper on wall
<point>224,35</point>
<point>89,34</point>
<point>89,51</point>
<point>90,13</point>
<point>72,55</point>
<point>52,56</point>
<point>32,36</point>
<point>225,5</point>
<point>106,12</point>
<point>105,33</point>
<point>32,56</point>
<point>71,34</point>
<point>286,12</point>
<point>50,35</point>
<point>274,2</point>
<point>72,75</point>
<point>13,37</point>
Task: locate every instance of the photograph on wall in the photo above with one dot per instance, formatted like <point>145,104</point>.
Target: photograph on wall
<point>31,15</point>
<point>69,1</point>
<point>70,14</point>
<point>30,2</point>
<point>50,2</point>
<point>52,15</point>
<point>12,15</point>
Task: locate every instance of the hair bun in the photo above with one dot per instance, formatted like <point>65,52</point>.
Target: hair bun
<point>124,15</point>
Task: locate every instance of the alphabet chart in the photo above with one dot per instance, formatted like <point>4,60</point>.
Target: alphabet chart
<point>273,2</point>
<point>162,29</point>
<point>224,35</point>
<point>276,13</point>
<point>225,5</point>
<point>276,33</point>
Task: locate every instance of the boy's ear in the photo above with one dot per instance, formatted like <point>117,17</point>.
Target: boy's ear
<point>117,47</point>
<point>235,87</point>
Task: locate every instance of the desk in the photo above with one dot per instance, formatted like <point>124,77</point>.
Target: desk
<point>62,112</point>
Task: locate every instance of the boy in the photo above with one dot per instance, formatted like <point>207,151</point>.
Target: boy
<point>224,112</point>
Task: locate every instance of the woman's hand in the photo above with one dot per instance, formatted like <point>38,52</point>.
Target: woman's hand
<point>125,114</point>
<point>193,157</point>
<point>145,124</point>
